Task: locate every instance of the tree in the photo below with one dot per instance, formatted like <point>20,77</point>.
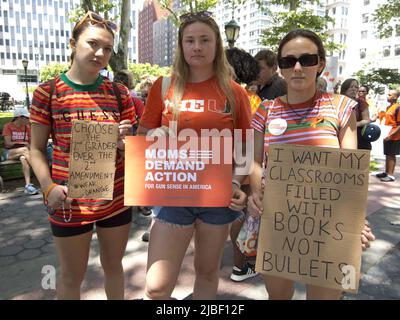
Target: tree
<point>143,70</point>
<point>187,6</point>
<point>375,78</point>
<point>385,16</point>
<point>52,70</point>
<point>119,59</point>
<point>295,17</point>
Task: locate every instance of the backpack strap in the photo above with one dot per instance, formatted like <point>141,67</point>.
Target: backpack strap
<point>51,92</point>
<point>118,96</point>
<point>166,82</point>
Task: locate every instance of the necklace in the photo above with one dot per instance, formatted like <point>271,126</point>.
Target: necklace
<point>301,117</point>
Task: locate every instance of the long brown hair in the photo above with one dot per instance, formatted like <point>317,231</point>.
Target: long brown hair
<point>222,69</point>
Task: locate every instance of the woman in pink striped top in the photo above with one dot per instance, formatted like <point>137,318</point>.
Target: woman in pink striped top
<point>303,116</point>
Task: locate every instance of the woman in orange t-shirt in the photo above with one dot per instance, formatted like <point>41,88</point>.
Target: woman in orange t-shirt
<point>206,98</point>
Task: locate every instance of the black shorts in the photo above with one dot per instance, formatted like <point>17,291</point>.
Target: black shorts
<point>391,147</point>
<point>118,220</point>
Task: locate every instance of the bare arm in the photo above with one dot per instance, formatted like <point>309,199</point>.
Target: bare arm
<point>348,134</point>
<point>348,140</point>
<point>39,137</point>
<point>255,205</point>
<point>364,118</point>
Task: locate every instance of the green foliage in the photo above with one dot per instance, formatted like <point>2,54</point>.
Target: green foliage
<point>384,16</point>
<point>375,78</point>
<point>51,70</point>
<point>283,22</point>
<point>143,70</point>
<point>100,6</point>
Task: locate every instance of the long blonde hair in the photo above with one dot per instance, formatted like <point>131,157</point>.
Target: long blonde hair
<point>222,69</point>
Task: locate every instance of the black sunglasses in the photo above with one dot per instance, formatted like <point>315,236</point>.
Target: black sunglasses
<point>192,16</point>
<point>306,60</point>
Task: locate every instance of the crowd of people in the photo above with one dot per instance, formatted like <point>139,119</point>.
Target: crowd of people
<point>249,92</point>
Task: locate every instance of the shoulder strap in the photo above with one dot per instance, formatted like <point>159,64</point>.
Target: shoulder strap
<point>118,96</point>
<point>52,89</point>
<point>166,82</point>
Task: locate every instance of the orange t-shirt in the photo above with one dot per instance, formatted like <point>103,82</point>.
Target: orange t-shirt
<point>203,106</point>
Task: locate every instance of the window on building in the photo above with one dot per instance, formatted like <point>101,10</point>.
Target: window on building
<point>397,50</point>
<point>363,53</point>
<point>386,51</point>
<point>366,2</point>
<point>364,18</point>
<point>364,34</point>
<point>397,30</point>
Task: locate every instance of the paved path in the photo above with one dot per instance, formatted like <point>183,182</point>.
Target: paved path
<point>26,246</point>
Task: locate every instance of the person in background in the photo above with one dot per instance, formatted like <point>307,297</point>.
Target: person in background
<point>270,84</point>
<point>125,77</point>
<point>17,135</point>
<point>246,69</point>
<point>363,92</point>
<point>322,84</point>
<point>391,144</point>
<point>350,88</point>
<point>301,58</point>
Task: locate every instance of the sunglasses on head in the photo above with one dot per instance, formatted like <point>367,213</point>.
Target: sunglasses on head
<point>192,16</point>
<point>305,60</point>
<point>94,18</point>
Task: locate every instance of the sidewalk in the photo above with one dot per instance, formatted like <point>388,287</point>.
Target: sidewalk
<point>26,245</point>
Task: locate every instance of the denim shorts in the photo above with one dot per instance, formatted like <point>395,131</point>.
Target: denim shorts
<point>186,216</point>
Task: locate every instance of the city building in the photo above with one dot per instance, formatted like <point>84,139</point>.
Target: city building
<point>366,50</point>
<point>150,13</point>
<point>39,31</point>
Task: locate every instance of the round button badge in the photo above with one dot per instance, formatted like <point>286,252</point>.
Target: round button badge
<point>277,126</point>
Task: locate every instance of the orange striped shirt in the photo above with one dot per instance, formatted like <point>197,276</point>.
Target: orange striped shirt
<point>316,122</point>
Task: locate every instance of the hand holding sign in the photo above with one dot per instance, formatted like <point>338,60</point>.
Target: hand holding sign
<point>125,129</point>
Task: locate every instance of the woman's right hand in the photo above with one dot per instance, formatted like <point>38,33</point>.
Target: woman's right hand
<point>58,196</point>
<point>162,131</point>
<point>255,206</point>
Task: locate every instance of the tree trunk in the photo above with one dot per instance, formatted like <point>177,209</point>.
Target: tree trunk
<point>87,5</point>
<point>119,60</point>
<point>293,5</point>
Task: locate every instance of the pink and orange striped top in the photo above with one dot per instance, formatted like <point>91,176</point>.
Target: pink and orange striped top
<point>315,122</point>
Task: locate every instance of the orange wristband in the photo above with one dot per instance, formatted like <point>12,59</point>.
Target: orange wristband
<point>49,188</point>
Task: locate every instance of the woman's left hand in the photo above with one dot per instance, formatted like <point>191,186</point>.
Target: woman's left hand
<point>366,236</point>
<point>125,129</point>
<point>238,200</point>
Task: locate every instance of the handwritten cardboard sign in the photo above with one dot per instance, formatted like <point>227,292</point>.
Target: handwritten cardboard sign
<point>92,159</point>
<point>314,210</point>
<point>176,173</point>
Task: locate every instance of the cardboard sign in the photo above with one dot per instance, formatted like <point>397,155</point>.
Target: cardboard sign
<point>168,172</point>
<point>92,159</point>
<point>315,201</point>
